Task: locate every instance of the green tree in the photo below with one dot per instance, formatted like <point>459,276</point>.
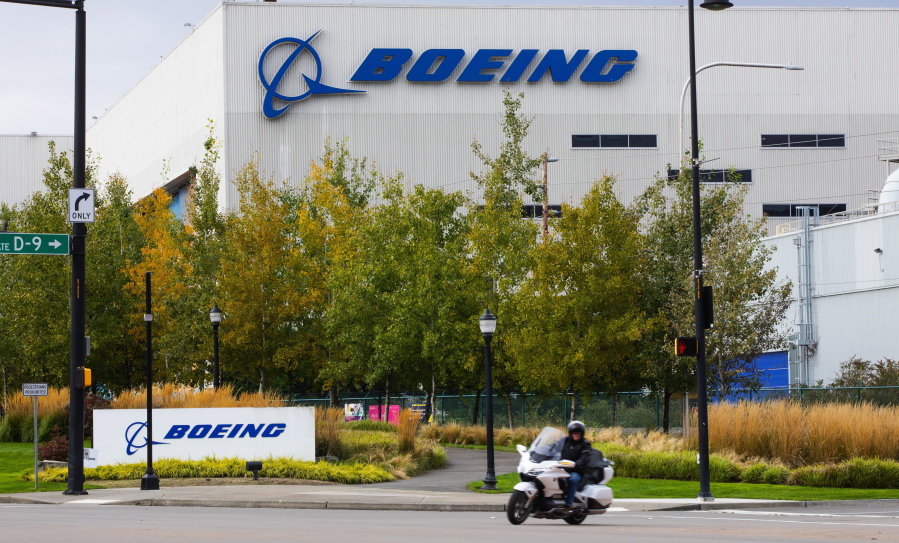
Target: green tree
<point>749,302</point>
<point>581,321</point>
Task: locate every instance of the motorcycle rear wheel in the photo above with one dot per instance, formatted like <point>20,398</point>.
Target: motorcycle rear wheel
<point>576,518</point>
<point>518,510</point>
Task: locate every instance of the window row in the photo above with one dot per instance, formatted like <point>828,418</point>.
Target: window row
<point>719,176</point>
<point>650,141</point>
<point>789,210</point>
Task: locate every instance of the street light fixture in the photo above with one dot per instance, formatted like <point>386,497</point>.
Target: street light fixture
<point>488,327</point>
<point>683,94</point>
<point>546,160</point>
<point>215,317</point>
<point>705,492</point>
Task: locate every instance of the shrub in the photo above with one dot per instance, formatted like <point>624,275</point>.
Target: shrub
<point>375,425</point>
<point>55,449</point>
<point>679,466</point>
<point>856,473</point>
<point>346,473</point>
<point>52,425</point>
<point>754,474</point>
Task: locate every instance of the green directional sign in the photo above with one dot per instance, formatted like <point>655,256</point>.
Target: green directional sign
<point>34,244</point>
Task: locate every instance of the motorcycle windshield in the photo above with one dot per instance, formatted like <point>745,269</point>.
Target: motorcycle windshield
<point>547,445</point>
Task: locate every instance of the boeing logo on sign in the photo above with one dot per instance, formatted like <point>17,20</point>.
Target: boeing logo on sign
<point>314,84</point>
<point>437,65</point>
<point>133,432</point>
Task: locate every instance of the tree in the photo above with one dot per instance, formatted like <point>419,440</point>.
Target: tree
<point>580,315</point>
<point>749,303</point>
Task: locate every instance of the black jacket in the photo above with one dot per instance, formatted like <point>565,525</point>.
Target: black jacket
<point>577,451</point>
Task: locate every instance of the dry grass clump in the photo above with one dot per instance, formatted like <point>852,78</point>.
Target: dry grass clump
<point>407,429</point>
<point>654,441</point>
<point>800,435</point>
<point>327,431</point>
<point>172,396</point>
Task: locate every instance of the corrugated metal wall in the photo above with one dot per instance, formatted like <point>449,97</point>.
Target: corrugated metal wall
<point>22,161</point>
<point>425,130</point>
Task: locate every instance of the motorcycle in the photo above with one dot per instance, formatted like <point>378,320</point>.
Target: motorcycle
<point>544,480</point>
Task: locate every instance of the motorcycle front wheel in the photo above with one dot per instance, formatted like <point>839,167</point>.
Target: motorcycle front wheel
<point>518,509</point>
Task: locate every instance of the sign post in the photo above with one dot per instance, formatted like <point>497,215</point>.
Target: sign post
<point>34,390</point>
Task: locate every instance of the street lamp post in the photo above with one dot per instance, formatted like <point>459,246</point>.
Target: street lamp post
<point>215,317</point>
<point>705,492</point>
<point>488,326</point>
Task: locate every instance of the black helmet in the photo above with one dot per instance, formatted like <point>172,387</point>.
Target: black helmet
<point>576,426</point>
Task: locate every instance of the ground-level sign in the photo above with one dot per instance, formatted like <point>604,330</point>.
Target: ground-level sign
<point>34,244</point>
<point>34,389</point>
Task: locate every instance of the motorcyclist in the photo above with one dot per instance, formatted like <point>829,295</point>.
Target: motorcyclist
<point>576,448</point>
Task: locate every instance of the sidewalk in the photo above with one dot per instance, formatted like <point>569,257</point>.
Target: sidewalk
<point>358,497</point>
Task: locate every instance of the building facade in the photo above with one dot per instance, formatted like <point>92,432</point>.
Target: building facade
<point>411,87</point>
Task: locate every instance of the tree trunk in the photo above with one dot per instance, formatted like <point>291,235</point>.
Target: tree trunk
<point>387,400</point>
<point>572,414</point>
<point>476,411</point>
<point>429,404</point>
<point>666,422</point>
<point>334,397</point>
<point>261,379</point>
<point>509,407</point>
<point>380,405</point>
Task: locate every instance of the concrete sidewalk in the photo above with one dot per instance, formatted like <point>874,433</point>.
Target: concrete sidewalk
<point>360,497</point>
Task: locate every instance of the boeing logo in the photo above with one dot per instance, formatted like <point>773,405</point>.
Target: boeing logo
<point>201,431</point>
<point>132,433</point>
<point>438,65</point>
<point>314,84</point>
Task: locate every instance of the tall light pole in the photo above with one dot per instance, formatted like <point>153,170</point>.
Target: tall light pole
<point>683,94</point>
<point>215,317</point>
<point>487,323</point>
<point>78,289</point>
<point>705,492</point>
<point>546,160</point>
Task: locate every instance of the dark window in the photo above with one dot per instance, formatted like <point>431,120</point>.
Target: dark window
<point>585,140</point>
<point>618,141</point>
<point>615,141</point>
<point>803,140</point>
<point>643,140</point>
<point>790,210</point>
<point>718,176</point>
<point>776,210</point>
<point>535,211</point>
<point>831,140</point>
<point>775,140</point>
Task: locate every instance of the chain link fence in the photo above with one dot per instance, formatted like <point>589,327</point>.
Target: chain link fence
<point>633,410</point>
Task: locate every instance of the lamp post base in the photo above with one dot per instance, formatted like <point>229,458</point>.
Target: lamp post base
<point>74,492</point>
<point>149,482</point>
<point>705,497</point>
<point>489,482</point>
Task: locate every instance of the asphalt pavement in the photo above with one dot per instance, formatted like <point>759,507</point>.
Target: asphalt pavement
<point>438,490</point>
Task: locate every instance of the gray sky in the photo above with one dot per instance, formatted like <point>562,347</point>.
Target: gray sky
<point>126,38</point>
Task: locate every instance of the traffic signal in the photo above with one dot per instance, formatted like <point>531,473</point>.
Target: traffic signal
<point>685,346</point>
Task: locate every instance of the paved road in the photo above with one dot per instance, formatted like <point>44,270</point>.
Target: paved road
<point>464,465</point>
<point>67,523</point>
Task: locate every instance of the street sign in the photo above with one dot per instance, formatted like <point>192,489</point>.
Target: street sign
<point>34,244</point>
<point>81,205</point>
<point>34,389</point>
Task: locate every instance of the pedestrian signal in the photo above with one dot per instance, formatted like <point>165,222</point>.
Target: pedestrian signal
<point>685,346</point>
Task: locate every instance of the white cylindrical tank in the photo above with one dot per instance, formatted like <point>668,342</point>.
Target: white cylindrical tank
<point>890,193</point>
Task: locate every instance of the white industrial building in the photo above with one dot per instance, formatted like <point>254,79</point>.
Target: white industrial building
<point>412,86</point>
<point>22,161</point>
<point>799,137</point>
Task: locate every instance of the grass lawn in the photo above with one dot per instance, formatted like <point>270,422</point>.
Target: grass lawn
<point>624,487</point>
<point>16,458</point>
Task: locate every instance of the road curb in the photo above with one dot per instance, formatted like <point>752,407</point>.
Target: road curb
<point>357,506</point>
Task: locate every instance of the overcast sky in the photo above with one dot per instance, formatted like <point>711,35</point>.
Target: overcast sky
<point>126,38</point>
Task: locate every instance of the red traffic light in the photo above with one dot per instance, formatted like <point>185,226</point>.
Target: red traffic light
<point>685,346</point>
